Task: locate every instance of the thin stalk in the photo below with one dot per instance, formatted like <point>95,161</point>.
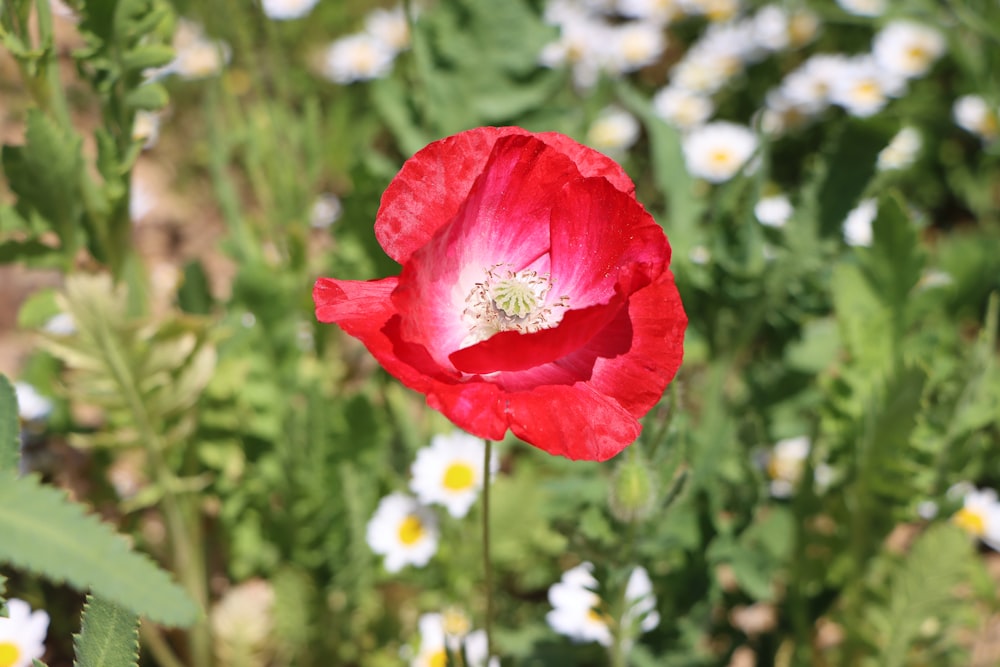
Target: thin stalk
<point>183,526</point>
<point>158,646</point>
<point>487,563</point>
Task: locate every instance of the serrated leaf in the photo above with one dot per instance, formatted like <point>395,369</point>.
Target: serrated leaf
<point>109,636</point>
<point>150,97</point>
<point>923,587</point>
<point>10,442</point>
<point>47,534</point>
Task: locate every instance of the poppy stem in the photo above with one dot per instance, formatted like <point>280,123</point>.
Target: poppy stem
<point>487,564</point>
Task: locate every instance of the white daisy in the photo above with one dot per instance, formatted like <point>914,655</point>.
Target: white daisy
<point>577,610</point>
<point>325,211</point>
<point>980,516</point>
<point>196,56</point>
<point>773,211</point>
<point>634,45</point>
<point>858,223</point>
<point>717,151</point>
<point>433,652</point>
<point>22,634</point>
<point>284,10</point>
<point>146,128</point>
<point>803,27</point>
<point>449,632</point>
<point>403,531</point>
<point>614,131</point>
<point>660,12</point>
<point>576,607</point>
<point>714,10</point>
<point>785,464</point>
<point>359,57</point>
<point>863,88</point>
<point>449,472</point>
<point>907,49</point>
<point>809,86</point>
<point>902,150</point>
<point>771,28</point>
<point>582,46</point>
<point>682,108</point>
<point>389,26</point>
<point>863,7</point>
<point>640,603</point>
<point>31,406</point>
<point>972,113</point>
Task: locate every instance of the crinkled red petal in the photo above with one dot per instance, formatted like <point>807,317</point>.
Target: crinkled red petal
<point>431,186</point>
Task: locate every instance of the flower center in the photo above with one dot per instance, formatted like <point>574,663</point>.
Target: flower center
<point>458,477</point>
<point>411,530</point>
<point>971,521</point>
<point>9,654</point>
<point>507,300</point>
<point>437,659</point>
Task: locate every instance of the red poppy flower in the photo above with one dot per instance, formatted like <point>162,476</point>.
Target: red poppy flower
<point>534,294</point>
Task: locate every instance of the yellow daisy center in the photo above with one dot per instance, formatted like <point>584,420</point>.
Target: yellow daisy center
<point>411,530</point>
<point>722,158</point>
<point>458,476</point>
<point>970,520</point>
<point>437,659</point>
<point>9,654</point>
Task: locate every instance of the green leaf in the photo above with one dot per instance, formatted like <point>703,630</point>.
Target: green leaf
<point>10,441</point>
<point>109,636</point>
<point>895,260</point>
<point>47,534</point>
<point>45,174</point>
<point>148,55</point>
<point>150,97</point>
<point>924,587</point>
<point>847,166</point>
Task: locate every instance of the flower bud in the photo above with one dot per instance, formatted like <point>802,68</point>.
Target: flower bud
<point>633,491</point>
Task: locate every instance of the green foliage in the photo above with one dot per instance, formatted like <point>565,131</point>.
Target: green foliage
<point>109,636</point>
<point>145,375</point>
<point>48,535</point>
<point>922,597</point>
<point>9,441</point>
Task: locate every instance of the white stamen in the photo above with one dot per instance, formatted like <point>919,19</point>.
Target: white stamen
<point>507,300</point>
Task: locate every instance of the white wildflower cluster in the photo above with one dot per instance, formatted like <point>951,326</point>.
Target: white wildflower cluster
<point>592,41</point>
<point>448,472</point>
<point>579,613</point>
<point>370,53</point>
<point>861,84</point>
<point>449,633</point>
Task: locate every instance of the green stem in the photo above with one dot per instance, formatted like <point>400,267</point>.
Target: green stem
<point>158,646</point>
<point>50,97</point>
<point>183,525</point>
<point>487,564</point>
